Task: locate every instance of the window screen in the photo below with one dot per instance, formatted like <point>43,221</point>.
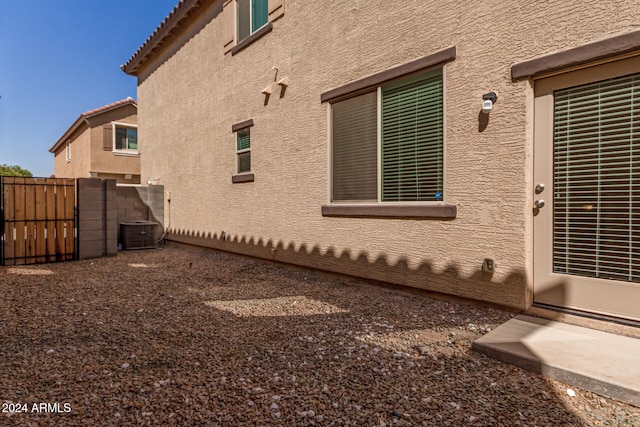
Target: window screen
<point>244,22</point>
<point>355,148</point>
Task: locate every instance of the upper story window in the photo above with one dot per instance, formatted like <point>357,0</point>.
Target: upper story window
<point>242,134</point>
<point>247,21</point>
<point>125,138</point>
<point>387,145</point>
<point>243,150</point>
<point>68,151</point>
<point>251,16</point>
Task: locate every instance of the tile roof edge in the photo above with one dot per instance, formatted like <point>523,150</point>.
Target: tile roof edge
<point>159,35</point>
<point>104,108</point>
<point>67,133</point>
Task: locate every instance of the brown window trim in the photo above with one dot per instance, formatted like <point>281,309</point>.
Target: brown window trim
<point>603,49</point>
<point>446,212</point>
<point>243,177</point>
<point>421,64</point>
<point>241,125</point>
<point>252,38</point>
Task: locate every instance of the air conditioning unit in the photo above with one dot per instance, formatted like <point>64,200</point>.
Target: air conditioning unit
<point>139,235</point>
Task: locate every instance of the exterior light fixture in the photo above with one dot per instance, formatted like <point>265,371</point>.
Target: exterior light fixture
<point>488,99</point>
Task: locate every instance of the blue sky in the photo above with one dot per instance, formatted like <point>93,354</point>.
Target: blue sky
<point>59,58</point>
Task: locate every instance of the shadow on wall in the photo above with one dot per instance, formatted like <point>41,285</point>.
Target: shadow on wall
<point>511,291</point>
<point>140,203</point>
<point>483,121</point>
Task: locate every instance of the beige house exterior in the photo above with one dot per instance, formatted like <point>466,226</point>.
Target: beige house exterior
<point>248,131</point>
<point>101,143</point>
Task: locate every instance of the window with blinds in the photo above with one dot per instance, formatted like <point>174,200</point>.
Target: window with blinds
<point>597,180</point>
<point>355,152</point>
<point>412,140</point>
<point>406,139</point>
<point>243,150</point>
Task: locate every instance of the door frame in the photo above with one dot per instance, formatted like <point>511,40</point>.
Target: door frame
<point>619,299</point>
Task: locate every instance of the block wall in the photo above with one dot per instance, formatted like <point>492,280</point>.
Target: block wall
<point>97,218</point>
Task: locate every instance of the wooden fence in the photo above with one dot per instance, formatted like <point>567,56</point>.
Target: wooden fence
<point>38,220</point>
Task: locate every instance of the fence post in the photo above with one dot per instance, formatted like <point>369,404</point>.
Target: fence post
<point>110,218</point>
<point>97,218</point>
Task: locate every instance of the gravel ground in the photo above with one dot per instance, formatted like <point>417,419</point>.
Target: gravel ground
<point>187,337</point>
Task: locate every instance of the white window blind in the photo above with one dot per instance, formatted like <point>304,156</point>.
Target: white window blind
<point>243,149</point>
<point>597,180</point>
<point>406,140</point>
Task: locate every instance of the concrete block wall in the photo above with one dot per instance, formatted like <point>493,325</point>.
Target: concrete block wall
<point>103,205</point>
<point>111,217</point>
<point>141,203</point>
<point>131,205</point>
<point>155,203</point>
<point>97,218</point>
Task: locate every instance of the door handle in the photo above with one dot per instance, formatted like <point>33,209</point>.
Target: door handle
<point>538,203</point>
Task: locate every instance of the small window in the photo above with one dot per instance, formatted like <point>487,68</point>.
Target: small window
<point>125,139</point>
<point>68,151</point>
<point>387,145</point>
<point>251,16</point>
<point>243,150</point>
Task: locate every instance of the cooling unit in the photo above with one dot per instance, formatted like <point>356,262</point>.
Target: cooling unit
<point>139,235</point>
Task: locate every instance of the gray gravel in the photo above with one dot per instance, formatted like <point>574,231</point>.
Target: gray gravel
<point>187,337</point>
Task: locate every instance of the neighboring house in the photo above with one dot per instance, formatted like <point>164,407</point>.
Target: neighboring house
<point>349,136</point>
<point>101,143</point>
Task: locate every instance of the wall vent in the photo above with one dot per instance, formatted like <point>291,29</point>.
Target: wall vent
<point>139,235</point>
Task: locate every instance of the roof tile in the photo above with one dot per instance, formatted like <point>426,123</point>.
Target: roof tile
<point>107,107</point>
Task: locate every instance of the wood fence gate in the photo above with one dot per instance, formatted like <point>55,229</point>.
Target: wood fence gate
<point>38,219</point>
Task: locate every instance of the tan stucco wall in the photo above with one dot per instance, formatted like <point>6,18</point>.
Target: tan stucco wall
<point>107,162</point>
<point>189,99</point>
<point>88,155</point>
<point>78,167</point>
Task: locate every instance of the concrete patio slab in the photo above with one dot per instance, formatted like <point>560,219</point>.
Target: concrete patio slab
<point>602,362</point>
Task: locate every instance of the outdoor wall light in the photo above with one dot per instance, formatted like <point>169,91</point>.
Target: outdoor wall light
<point>488,99</point>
